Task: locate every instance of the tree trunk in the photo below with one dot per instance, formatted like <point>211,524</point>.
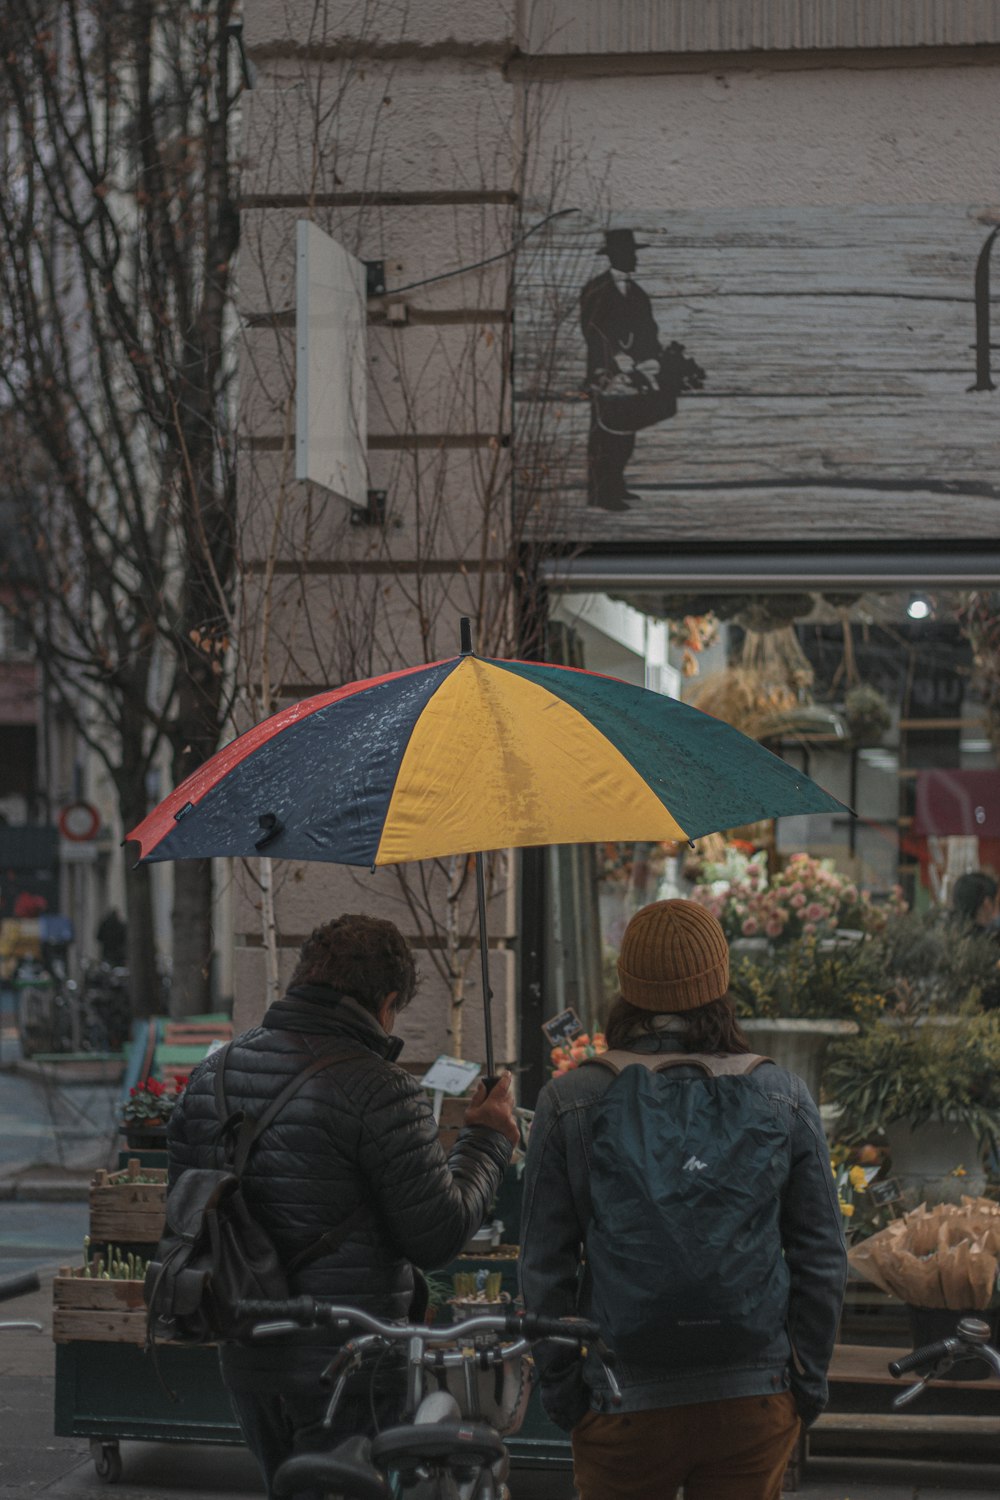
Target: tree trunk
<point>191,986</point>
<point>193,737</point>
<point>144,978</point>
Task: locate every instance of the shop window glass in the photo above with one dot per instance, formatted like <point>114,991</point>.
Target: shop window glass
<point>884,698</point>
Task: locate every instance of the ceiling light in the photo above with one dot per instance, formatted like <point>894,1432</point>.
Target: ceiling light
<point>918,608</point>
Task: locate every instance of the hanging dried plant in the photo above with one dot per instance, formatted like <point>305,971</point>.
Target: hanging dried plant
<point>867,714</point>
<point>770,680</point>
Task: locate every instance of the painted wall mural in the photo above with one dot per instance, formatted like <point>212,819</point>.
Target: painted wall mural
<point>774,375</point>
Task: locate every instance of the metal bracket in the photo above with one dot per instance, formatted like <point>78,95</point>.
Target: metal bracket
<point>375,271</point>
<point>374,513</point>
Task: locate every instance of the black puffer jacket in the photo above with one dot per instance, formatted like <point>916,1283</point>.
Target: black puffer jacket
<point>361,1132</point>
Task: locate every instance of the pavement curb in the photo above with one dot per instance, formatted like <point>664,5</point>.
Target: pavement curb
<point>28,1189</point>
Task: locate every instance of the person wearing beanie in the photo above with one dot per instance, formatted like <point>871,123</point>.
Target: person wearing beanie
<point>621,1216</point>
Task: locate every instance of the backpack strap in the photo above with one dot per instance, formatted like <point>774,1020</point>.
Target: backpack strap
<point>249,1131</point>
<point>329,1242</point>
<point>730,1064</point>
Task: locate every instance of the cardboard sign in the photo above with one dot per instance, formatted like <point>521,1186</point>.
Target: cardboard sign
<point>563,1027</point>
<point>451,1075</point>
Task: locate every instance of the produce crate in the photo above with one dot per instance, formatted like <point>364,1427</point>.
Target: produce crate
<point>97,1311</point>
<point>128,1207</point>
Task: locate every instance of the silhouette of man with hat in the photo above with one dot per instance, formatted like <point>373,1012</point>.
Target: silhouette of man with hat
<point>623,348</point>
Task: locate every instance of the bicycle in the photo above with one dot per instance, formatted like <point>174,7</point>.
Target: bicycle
<point>19,1286</point>
<point>443,1448</point>
<point>46,1009</point>
<point>969,1341</point>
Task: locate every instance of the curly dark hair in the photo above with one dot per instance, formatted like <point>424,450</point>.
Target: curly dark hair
<point>364,957</point>
<point>708,1028</point>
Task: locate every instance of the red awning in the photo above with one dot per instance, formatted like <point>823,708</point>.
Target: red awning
<point>958,802</point>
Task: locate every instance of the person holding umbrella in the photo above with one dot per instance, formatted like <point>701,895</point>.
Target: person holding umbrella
<point>349,1179</point>
<point>678,1192</point>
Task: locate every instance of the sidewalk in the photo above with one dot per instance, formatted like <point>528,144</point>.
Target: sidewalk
<point>33,1461</point>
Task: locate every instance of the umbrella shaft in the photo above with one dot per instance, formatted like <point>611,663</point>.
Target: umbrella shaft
<point>484,954</point>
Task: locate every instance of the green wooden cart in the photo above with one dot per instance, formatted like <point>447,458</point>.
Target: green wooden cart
<point>109,1391</point>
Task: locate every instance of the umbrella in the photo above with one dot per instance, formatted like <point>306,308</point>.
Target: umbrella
<point>466,755</point>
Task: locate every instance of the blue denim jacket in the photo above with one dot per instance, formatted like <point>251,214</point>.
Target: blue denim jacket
<point>554,1282</point>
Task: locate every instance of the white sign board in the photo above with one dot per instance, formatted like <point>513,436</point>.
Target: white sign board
<point>451,1075</point>
<point>331,395</point>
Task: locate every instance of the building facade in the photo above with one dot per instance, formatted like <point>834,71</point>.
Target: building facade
<point>679,357</point>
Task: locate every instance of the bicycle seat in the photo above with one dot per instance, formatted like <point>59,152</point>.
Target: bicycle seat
<point>438,1442</point>
<point>346,1468</point>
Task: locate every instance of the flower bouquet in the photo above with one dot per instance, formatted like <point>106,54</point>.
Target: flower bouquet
<point>807,899</point>
<point>563,1059</point>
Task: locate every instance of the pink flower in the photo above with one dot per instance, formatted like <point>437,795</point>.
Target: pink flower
<point>809,929</point>
<point>750,927</point>
<point>774,928</point>
<point>798,901</point>
<point>814,912</point>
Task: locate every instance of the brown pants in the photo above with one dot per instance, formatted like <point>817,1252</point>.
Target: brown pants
<point>719,1450</point>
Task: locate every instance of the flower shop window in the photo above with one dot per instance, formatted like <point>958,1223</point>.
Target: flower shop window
<point>890,699</point>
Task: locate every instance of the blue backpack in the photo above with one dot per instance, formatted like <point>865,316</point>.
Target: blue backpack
<point>684,1244</point>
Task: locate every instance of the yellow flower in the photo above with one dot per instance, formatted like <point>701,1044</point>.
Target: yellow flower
<point>959,1171</point>
<point>857,1179</point>
<point>847,1209</point>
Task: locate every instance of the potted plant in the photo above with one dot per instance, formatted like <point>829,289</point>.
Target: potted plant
<point>931,1086</point>
<point>147,1110</point>
<point>797,997</point>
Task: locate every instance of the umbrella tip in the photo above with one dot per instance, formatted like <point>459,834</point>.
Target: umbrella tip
<point>465,628</point>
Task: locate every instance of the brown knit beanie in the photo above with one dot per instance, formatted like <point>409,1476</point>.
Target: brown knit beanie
<point>674,956</point>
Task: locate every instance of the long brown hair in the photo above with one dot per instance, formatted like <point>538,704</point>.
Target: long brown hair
<point>709,1028</point>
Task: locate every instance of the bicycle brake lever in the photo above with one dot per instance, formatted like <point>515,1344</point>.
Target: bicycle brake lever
<point>269,1330</point>
<point>340,1360</point>
<point>334,1402</point>
<point>613,1386</point>
<point>911,1393</point>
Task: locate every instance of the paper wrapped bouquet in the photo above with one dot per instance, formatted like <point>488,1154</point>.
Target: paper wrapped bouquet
<point>946,1256</point>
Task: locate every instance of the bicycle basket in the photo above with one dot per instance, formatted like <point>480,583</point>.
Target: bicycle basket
<point>502,1395</point>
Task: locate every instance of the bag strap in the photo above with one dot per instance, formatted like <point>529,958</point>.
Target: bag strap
<point>733,1064</point>
<point>250,1131</point>
<point>329,1242</point>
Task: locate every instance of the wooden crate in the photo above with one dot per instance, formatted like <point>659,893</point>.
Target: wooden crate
<point>124,1211</point>
<point>103,1312</point>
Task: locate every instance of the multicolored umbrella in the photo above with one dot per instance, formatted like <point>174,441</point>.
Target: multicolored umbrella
<point>467,755</point>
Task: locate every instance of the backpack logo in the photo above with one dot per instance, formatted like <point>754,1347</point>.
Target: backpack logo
<point>694,1165</point>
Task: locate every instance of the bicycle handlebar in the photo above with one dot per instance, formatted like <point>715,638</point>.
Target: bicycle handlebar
<point>924,1358</point>
<point>19,1286</point>
<point>307,1312</point>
